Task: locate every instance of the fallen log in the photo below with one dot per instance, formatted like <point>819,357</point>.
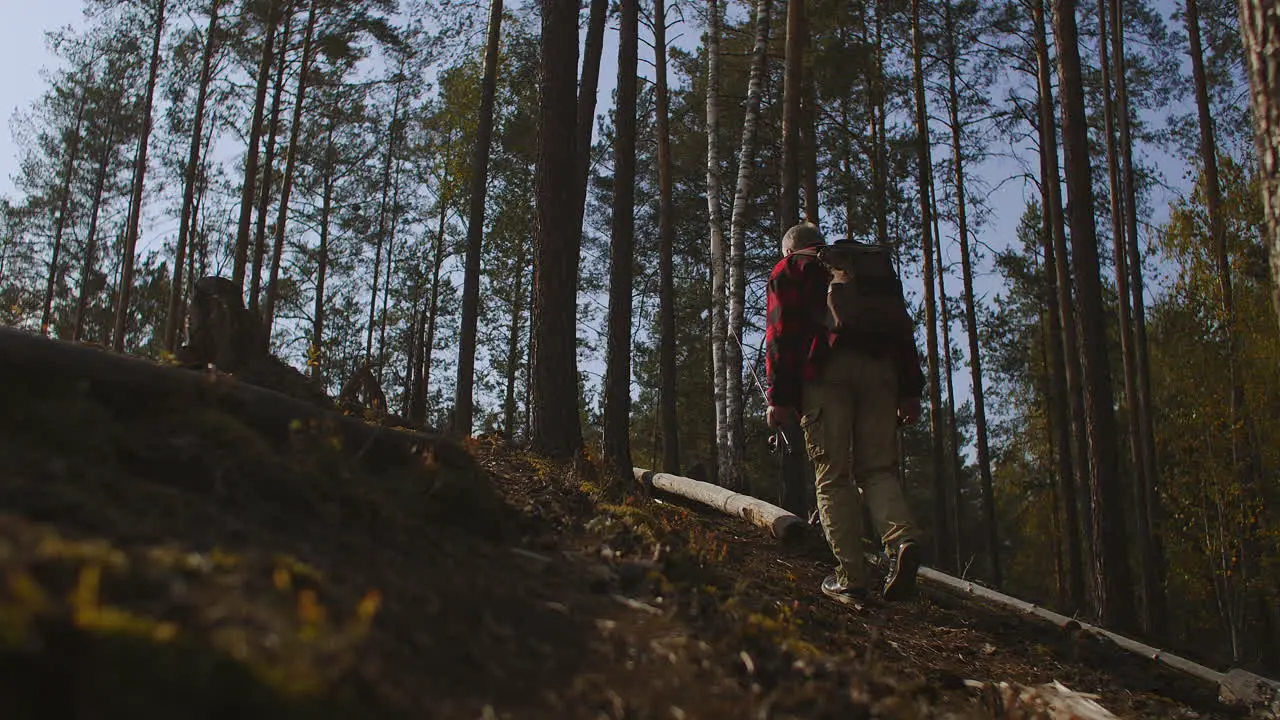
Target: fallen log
<point>56,368</point>
<point>1236,687</point>
<point>1051,701</point>
<point>780,523</point>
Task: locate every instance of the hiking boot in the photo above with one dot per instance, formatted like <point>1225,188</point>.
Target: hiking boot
<point>903,565</point>
<point>855,597</point>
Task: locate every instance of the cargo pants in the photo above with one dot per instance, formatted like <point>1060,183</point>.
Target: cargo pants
<point>850,426</point>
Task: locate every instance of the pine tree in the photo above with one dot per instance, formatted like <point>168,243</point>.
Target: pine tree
<point>555,424</point>
<point>1114,584</point>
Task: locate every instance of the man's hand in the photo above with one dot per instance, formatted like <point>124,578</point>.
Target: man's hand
<point>908,411</point>
<point>781,417</point>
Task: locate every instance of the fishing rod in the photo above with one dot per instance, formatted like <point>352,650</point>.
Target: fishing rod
<point>773,439</point>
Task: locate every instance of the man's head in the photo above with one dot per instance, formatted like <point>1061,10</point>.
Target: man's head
<point>799,237</point>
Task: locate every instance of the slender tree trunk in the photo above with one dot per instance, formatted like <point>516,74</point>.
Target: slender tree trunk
<point>382,220</point>
<point>413,357</point>
<point>943,533</point>
<point>139,179</point>
<point>846,164</point>
<point>528,370</point>
<point>733,472</point>
<point>89,265</point>
<point>267,181</point>
<point>418,400</point>
<point>1153,550</point>
<point>174,317</point>
<point>1056,261</point>
<point>316,359</point>
<point>954,469</point>
<point>1120,257</point>
<point>199,223</point>
<point>970,306</point>
<point>393,225</point>
<point>617,388</point>
<point>1260,34</point>
<point>877,97</point>
<point>64,205</point>
<point>433,315</point>
<point>592,53</point>
<point>793,71</point>
<point>555,424</point>
<point>1060,413</point>
<point>667,232</point>
<point>509,408</point>
<point>290,165</point>
<point>715,219</point>
<point>1115,583</point>
<point>241,260</point>
<point>1052,415</point>
<point>463,407</point>
<point>809,136</point>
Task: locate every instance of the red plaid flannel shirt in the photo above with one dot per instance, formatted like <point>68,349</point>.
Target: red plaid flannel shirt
<point>797,343</point>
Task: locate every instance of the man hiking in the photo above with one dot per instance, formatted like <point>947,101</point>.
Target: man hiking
<point>842,365</point>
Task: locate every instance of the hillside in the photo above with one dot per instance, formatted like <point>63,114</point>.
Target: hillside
<point>188,554</point>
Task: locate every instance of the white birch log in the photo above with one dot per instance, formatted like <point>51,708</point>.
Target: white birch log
<point>780,523</point>
<point>1237,687</point>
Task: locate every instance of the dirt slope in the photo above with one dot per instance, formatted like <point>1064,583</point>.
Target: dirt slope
<point>165,559</point>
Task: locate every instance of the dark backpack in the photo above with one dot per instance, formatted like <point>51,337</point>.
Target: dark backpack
<point>864,296</point>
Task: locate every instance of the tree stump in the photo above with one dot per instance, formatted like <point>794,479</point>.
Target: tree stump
<point>224,335</point>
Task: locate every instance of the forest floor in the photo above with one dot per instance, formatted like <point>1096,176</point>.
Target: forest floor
<point>168,560</point>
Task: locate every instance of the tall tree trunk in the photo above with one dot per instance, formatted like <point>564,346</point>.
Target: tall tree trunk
<point>555,424</point>
<point>266,182</point>
<point>715,219</point>
<point>970,309</point>
<point>175,314</point>
<point>793,71</point>
<point>943,532</point>
<point>733,472</point>
<point>241,260</point>
<point>1260,34</point>
<point>667,232</point>
<point>1120,258</point>
<point>1115,582</point>
<point>617,385</point>
<point>514,350</point>
<point>1152,548</point>
<point>1056,261</point>
<point>89,264</point>
<point>290,165</point>
<point>380,242</point>
<point>139,179</point>
<point>64,205</point>
<point>463,407</point>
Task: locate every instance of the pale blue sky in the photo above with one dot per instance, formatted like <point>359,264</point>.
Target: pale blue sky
<point>22,53</point>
